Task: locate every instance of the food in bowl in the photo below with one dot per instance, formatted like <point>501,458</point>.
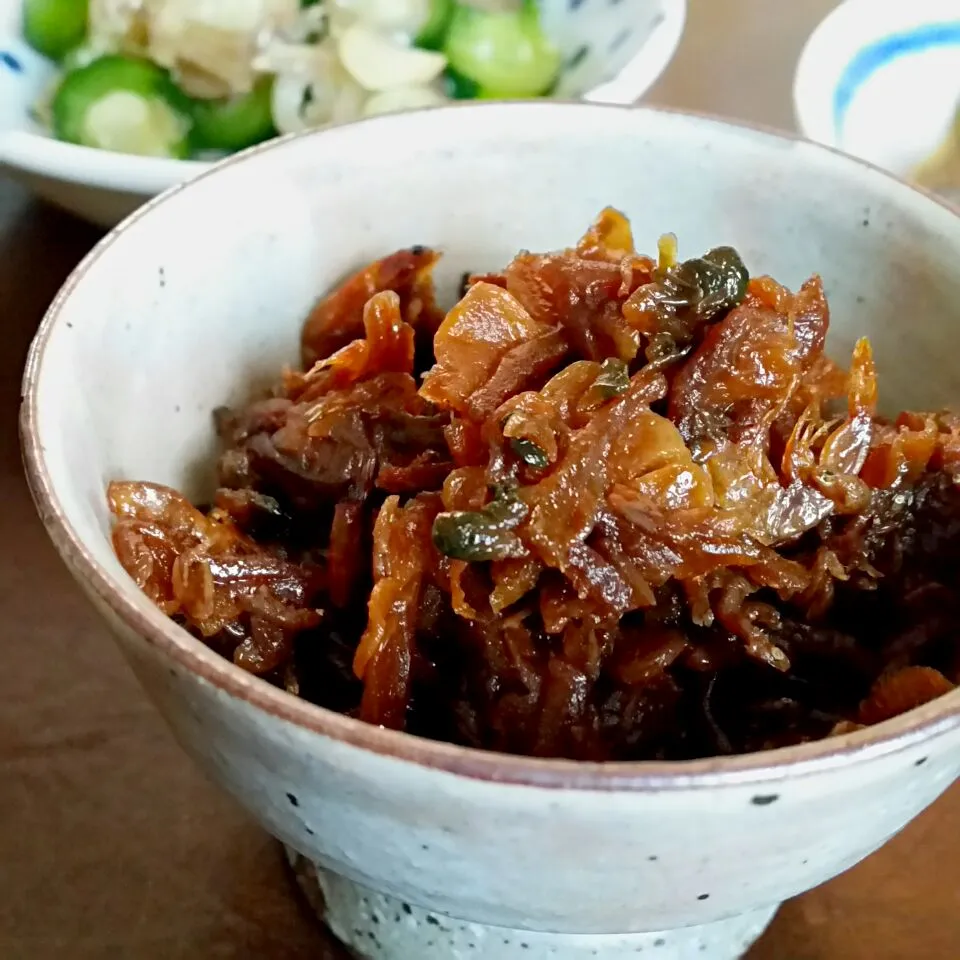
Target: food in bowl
<point>631,510</point>
<point>177,78</point>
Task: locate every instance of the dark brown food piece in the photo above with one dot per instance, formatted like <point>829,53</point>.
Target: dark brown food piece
<point>609,507</point>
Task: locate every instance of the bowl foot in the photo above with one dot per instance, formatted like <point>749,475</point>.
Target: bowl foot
<point>377,927</point>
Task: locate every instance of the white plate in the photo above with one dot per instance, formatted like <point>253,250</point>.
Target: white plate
<point>613,52</point>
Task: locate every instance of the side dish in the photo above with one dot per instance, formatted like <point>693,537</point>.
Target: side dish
<point>608,507</point>
<point>179,78</point>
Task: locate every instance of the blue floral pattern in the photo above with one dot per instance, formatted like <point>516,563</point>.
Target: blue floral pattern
<point>10,62</point>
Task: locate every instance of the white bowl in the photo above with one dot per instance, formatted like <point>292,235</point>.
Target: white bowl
<point>880,79</point>
<point>428,851</point>
<point>614,52</point>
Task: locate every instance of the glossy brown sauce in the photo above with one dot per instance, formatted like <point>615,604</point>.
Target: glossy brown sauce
<point>609,507</point>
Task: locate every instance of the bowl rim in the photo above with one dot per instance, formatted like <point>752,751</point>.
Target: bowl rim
<point>45,156</point>
<point>908,731</point>
<point>41,154</point>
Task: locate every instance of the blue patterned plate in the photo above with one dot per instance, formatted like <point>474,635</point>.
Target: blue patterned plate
<point>613,50</point>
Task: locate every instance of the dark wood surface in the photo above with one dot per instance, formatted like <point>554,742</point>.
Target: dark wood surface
<point>113,846</point>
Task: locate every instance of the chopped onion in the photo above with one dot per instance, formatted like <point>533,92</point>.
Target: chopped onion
<point>210,44</point>
<point>308,102</point>
<point>299,59</point>
<point>404,17</point>
<point>117,26</point>
<point>402,98</point>
<point>310,27</point>
<point>377,63</point>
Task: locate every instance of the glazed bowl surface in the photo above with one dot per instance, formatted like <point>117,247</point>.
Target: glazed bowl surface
<point>612,52</point>
<point>199,297</point>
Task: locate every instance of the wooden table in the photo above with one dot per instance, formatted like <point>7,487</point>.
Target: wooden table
<point>113,846</point>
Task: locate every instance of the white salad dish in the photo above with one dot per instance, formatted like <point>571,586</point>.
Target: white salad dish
<point>424,850</point>
<point>880,80</point>
<point>611,53</point>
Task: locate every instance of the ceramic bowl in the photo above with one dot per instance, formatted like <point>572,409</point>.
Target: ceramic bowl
<point>880,79</point>
<point>423,850</point>
<point>614,52</point>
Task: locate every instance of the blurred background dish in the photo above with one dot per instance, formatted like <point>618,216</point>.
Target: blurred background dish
<point>165,119</point>
<point>881,80</point>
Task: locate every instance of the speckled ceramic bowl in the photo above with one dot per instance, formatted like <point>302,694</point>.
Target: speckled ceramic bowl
<point>614,51</point>
<point>418,850</point>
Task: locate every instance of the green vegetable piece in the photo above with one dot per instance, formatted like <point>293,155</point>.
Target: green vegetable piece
<point>235,123</point>
<point>124,104</point>
<point>662,349</point>
<point>460,87</point>
<point>487,534</point>
<point>613,378</point>
<point>506,54</point>
<point>706,285</point>
<point>717,281</point>
<point>434,31</point>
<point>685,296</point>
<point>54,27</point>
<point>529,453</point>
